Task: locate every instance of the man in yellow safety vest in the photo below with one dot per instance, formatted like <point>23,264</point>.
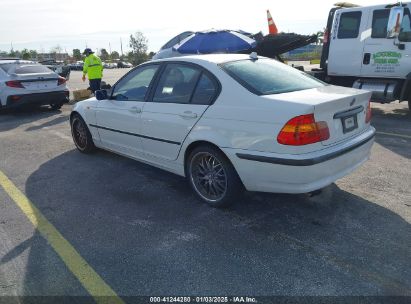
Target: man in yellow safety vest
<point>93,68</point>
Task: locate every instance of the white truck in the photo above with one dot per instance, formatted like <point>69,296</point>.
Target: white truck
<point>369,48</point>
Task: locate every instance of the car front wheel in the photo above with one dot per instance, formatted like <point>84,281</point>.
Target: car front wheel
<point>212,176</point>
<point>81,135</point>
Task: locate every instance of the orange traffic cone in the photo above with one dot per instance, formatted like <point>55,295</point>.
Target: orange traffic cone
<point>272,28</point>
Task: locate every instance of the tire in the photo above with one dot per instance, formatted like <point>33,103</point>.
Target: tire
<point>56,106</point>
<point>213,177</point>
<point>81,135</point>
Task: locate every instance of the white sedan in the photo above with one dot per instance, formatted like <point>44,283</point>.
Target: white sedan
<point>25,83</point>
<point>229,122</point>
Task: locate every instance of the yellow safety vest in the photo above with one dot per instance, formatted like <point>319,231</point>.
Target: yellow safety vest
<point>93,67</point>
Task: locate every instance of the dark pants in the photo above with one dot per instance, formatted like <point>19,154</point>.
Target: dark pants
<point>95,84</point>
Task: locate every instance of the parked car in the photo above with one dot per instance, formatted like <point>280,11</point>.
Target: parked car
<point>29,83</point>
<point>59,67</point>
<point>124,65</point>
<point>227,121</point>
<point>77,66</point>
<point>109,65</point>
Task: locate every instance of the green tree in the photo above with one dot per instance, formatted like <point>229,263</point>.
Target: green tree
<point>115,55</point>
<point>33,54</point>
<point>104,55</point>
<point>25,54</point>
<point>77,54</point>
<point>138,44</point>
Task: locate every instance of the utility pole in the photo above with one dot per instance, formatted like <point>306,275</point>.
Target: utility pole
<point>109,48</point>
<point>121,45</point>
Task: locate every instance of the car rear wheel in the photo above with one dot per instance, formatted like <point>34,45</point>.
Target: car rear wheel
<point>81,135</point>
<point>56,106</point>
<point>212,176</point>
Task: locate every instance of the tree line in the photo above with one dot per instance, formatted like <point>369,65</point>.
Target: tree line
<point>138,53</point>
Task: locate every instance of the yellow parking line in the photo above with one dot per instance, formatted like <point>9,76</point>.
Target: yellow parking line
<point>395,134</point>
<point>91,281</point>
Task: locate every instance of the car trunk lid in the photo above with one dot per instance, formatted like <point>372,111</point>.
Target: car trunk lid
<point>38,81</point>
<point>344,113</point>
<point>343,109</point>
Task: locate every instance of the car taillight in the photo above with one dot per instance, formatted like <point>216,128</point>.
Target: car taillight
<point>326,36</point>
<point>61,80</point>
<point>14,84</point>
<point>303,130</point>
<point>368,114</point>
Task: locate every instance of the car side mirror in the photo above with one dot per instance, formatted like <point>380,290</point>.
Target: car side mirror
<point>394,22</point>
<point>101,95</point>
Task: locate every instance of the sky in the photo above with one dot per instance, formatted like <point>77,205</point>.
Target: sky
<point>44,24</point>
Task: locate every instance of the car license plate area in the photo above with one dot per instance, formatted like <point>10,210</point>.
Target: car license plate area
<point>349,123</point>
<point>39,85</point>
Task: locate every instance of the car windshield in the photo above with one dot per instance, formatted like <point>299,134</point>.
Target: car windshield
<point>267,76</point>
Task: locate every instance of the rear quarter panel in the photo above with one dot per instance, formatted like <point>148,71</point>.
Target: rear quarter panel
<point>241,120</point>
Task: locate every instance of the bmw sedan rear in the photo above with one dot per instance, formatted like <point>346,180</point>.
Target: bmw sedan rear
<point>25,83</point>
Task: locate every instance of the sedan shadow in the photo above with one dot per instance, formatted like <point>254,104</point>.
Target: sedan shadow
<point>13,118</point>
<point>144,231</point>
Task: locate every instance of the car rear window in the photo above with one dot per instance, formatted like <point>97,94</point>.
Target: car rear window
<point>267,76</point>
<point>31,69</point>
<point>6,67</point>
<point>24,68</point>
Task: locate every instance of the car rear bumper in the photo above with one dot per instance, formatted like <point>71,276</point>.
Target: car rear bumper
<point>269,172</point>
<point>37,99</point>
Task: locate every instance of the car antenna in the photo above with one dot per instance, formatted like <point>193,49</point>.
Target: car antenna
<point>254,56</point>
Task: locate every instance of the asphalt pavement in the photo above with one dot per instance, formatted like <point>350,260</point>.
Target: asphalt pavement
<point>144,232</point>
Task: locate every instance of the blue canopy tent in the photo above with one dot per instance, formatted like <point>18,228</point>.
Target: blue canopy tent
<point>215,41</point>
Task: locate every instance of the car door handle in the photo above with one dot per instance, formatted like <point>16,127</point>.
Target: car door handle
<point>367,58</point>
<point>188,114</point>
<point>135,110</point>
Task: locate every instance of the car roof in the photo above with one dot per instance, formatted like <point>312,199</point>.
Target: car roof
<point>210,58</point>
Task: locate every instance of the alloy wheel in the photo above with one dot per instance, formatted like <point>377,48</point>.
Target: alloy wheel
<point>80,134</point>
<point>208,176</point>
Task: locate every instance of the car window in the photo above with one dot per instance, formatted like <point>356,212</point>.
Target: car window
<point>176,84</point>
<point>134,86</point>
<point>379,23</point>
<point>349,25</point>
<point>205,91</point>
<point>405,32</point>
<point>268,76</point>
